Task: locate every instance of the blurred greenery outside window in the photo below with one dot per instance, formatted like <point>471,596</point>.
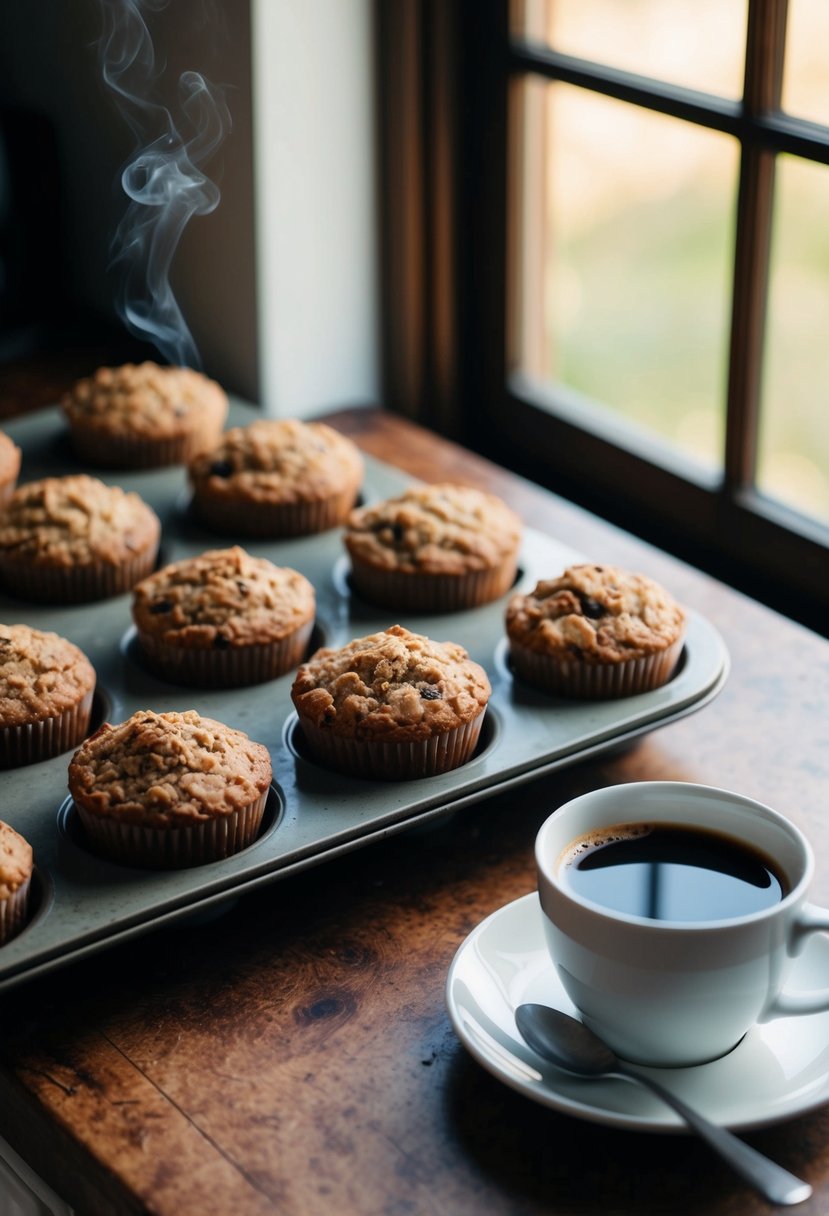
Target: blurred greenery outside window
<point>629,244</point>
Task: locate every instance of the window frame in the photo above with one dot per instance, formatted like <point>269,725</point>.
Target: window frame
<point>468,62</point>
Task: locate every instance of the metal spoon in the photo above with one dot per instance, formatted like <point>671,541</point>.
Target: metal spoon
<point>570,1044</point>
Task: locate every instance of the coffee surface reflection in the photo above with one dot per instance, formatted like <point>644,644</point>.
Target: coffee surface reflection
<point>670,872</point>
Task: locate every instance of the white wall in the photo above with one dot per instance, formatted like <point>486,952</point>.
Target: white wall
<point>316,230</point>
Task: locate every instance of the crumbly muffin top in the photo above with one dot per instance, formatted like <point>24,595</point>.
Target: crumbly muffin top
<point>223,598</point>
<point>9,458</point>
<point>168,770</point>
<point>278,461</point>
<point>75,520</point>
<point>16,861</point>
<point>600,614</point>
<point>41,675</point>
<point>145,400</point>
<point>438,529</point>
<point>392,686</point>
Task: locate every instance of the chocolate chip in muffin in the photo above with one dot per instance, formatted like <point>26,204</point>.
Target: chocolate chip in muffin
<point>221,468</point>
<point>591,608</point>
<point>161,606</point>
<point>430,694</point>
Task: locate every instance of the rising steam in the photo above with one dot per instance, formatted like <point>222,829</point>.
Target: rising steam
<point>163,180</point>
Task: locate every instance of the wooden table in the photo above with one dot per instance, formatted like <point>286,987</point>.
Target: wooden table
<point>296,1056</point>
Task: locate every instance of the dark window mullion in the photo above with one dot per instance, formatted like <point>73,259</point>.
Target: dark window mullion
<point>770,129</point>
<point>763,83</point>
<point>764,57</point>
<point>676,101</point>
<point>751,262</point>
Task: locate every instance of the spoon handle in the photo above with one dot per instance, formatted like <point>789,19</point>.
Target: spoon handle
<point>777,1184</point>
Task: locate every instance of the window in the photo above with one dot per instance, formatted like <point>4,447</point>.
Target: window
<point>641,266</point>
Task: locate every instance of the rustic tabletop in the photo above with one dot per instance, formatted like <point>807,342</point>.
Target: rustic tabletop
<point>296,1055</point>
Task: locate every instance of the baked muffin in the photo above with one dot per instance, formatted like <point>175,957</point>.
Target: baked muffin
<point>72,539</point>
<point>434,548</point>
<point>143,416</point>
<point>46,690</point>
<point>16,868</point>
<point>9,467</point>
<point>223,619</point>
<point>277,477</point>
<point>169,790</point>
<point>596,632</point>
<point>391,706</point>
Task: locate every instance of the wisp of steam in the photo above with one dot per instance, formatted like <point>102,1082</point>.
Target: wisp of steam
<point>163,181</point>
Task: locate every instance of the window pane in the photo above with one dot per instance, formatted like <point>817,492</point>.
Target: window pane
<point>794,432</point>
<point>696,43</point>
<point>624,277</point>
<point>805,78</point>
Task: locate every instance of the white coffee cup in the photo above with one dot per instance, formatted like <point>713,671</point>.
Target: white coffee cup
<point>667,992</point>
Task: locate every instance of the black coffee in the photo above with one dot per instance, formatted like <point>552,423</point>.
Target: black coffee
<point>667,872</point>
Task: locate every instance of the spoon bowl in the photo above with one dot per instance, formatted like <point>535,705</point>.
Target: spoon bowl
<point>571,1045</point>
<point>565,1041</point>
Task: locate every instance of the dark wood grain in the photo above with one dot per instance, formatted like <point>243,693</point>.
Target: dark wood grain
<point>295,1056</point>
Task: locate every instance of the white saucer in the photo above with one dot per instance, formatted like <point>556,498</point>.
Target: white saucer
<point>779,1070</point>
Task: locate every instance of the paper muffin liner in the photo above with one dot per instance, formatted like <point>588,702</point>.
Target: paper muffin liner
<point>231,668</point>
<point>424,592</point>
<point>242,518</point>
<point>14,912</point>
<point>77,584</point>
<point>383,761</point>
<point>142,452</point>
<point>33,741</point>
<point>568,677</point>
<point>135,844</point>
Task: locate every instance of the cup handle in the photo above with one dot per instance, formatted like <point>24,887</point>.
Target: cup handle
<point>809,920</point>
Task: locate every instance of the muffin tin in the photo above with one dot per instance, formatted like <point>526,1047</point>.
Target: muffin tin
<point>83,904</point>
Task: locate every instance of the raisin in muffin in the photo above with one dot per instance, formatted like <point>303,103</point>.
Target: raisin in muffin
<point>143,415</point>
<point>46,690</point>
<point>391,706</point>
<point>277,477</point>
<point>223,619</point>
<point>434,548</point>
<point>169,790</point>
<point>72,539</point>
<point>596,632</point>
<point>16,869</point>
<point>9,467</point>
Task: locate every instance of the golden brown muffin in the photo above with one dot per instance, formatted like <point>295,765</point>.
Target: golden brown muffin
<point>277,477</point>
<point>391,706</point>
<point>16,869</point>
<point>144,416</point>
<point>223,619</point>
<point>170,790</point>
<point>46,690</point>
<point>595,632</point>
<point>434,548</point>
<point>9,467</point>
<point>72,539</point>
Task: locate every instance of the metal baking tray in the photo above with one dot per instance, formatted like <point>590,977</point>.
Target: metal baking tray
<point>83,903</point>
